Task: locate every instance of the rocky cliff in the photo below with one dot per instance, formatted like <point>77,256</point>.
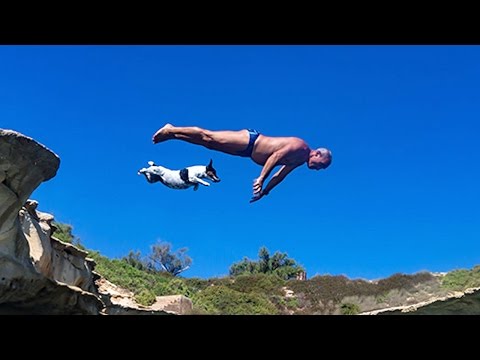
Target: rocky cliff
<point>40,274</point>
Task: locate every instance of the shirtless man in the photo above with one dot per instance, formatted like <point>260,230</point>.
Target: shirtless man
<point>289,152</point>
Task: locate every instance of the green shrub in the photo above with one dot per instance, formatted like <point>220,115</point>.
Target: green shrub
<point>145,297</point>
<point>125,275</point>
<point>63,232</point>
<point>292,303</point>
<point>222,300</point>
<point>179,287</point>
<point>349,309</point>
<point>197,284</point>
<point>381,298</point>
<point>145,284</point>
<point>268,284</point>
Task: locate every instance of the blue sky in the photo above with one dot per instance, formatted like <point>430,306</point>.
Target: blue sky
<point>402,122</point>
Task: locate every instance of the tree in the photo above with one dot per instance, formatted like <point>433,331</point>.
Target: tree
<point>174,263</point>
<point>135,259</point>
<point>245,266</point>
<point>279,264</point>
<point>264,262</point>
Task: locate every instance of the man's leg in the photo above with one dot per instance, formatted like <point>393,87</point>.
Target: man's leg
<point>230,142</point>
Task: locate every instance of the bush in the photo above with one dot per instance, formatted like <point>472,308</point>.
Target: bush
<point>349,309</point>
<point>144,284</point>
<point>292,303</point>
<point>381,298</point>
<point>220,300</point>
<point>179,287</point>
<point>145,297</point>
<point>258,283</point>
<point>197,284</point>
<point>63,232</point>
<point>125,275</point>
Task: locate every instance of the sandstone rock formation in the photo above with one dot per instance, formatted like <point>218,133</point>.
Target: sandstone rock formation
<point>24,164</point>
<point>121,301</point>
<point>40,274</point>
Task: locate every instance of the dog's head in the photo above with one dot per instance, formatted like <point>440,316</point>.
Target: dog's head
<point>211,172</point>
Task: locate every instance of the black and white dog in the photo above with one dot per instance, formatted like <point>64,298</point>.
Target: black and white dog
<point>180,179</point>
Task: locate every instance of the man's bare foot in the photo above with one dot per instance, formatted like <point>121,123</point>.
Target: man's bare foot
<point>162,134</point>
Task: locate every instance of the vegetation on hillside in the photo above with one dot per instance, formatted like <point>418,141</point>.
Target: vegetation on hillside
<point>329,294</point>
<point>278,264</point>
<point>145,284</point>
<point>64,232</point>
<point>462,279</point>
<point>265,286</point>
<point>162,258</point>
<point>224,300</point>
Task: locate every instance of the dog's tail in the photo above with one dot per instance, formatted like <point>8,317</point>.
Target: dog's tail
<point>151,163</point>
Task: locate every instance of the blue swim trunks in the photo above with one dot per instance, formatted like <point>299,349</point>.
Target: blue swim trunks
<point>253,137</point>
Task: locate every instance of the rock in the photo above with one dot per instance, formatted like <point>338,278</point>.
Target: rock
<point>177,304</point>
<point>24,164</point>
<point>38,274</point>
<point>120,301</point>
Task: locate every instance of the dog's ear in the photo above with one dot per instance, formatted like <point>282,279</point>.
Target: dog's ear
<point>210,163</point>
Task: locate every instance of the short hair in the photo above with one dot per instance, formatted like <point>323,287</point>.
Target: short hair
<point>326,154</point>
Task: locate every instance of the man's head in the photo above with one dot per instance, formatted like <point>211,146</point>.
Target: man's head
<point>320,158</point>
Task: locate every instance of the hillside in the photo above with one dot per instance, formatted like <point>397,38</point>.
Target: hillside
<point>270,294</point>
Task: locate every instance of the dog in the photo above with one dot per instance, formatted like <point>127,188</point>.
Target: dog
<point>180,179</point>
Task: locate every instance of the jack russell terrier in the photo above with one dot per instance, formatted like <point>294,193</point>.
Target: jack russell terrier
<point>180,179</point>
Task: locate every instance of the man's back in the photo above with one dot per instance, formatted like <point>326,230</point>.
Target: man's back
<point>294,150</point>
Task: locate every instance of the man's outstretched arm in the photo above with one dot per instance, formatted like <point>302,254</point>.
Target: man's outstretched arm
<point>271,162</point>
<point>274,181</point>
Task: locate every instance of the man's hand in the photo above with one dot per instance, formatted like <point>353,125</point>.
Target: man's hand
<point>257,187</point>
<point>257,197</point>
<point>258,191</point>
